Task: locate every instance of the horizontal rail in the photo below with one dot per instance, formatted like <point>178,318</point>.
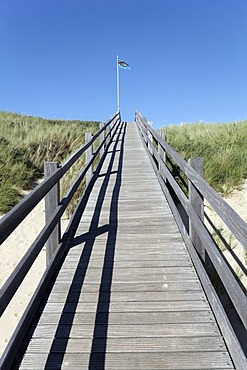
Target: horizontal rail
<point>15,279</point>
<point>233,221</point>
<point>158,149</point>
<point>229,335</point>
<point>17,214</point>
<point>234,290</point>
<point>7,358</point>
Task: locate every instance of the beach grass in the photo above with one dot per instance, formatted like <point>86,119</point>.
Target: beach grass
<point>26,143</point>
<point>222,146</point>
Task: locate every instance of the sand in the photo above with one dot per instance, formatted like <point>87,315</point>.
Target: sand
<point>12,250</point>
<point>237,199</point>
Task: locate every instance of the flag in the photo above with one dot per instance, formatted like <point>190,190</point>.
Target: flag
<point>122,64</point>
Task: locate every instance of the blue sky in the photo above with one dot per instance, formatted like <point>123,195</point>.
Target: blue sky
<point>188,59</point>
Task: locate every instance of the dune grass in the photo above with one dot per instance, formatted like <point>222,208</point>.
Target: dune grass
<point>26,143</point>
<point>222,146</point>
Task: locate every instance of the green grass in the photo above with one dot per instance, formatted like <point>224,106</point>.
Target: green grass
<point>26,143</point>
<point>222,146</point>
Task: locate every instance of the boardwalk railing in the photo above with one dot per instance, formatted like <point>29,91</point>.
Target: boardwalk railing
<point>56,208</point>
<point>172,171</point>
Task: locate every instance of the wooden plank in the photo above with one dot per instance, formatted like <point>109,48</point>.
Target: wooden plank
<point>91,277</point>
<point>89,156</point>
<point>197,202</point>
<point>52,200</point>
<point>128,306</point>
<point>145,272</point>
<point>127,331</point>
<point>143,344</point>
<point>69,296</point>
<point>137,318</point>
<point>131,361</point>
<point>97,263</point>
<point>129,286</point>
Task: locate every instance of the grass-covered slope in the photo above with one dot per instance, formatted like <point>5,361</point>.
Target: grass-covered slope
<point>222,146</point>
<point>26,142</point>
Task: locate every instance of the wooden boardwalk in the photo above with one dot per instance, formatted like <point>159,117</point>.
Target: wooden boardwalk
<point>127,295</point>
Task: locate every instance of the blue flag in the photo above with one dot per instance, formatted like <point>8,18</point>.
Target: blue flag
<point>122,64</point>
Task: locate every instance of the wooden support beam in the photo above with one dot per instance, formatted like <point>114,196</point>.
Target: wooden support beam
<point>89,155</point>
<point>162,154</point>
<point>197,202</point>
<point>101,139</point>
<point>51,202</point>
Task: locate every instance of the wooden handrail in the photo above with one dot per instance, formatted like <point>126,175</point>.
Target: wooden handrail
<point>16,340</point>
<point>19,212</point>
<point>155,144</point>
<point>233,221</point>
<point>232,341</point>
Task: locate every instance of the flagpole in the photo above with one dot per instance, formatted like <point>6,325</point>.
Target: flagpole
<point>118,100</point>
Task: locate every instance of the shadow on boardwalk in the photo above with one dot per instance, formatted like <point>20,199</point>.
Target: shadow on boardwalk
<point>99,343</point>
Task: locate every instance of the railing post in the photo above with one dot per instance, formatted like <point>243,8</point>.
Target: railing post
<point>89,155</point>
<point>106,133</point>
<point>144,123</point>
<point>150,137</point>
<point>101,139</point>
<point>51,202</point>
<point>197,201</point>
<point>162,154</point>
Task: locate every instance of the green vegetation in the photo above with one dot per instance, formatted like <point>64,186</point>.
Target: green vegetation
<point>26,143</point>
<point>222,146</point>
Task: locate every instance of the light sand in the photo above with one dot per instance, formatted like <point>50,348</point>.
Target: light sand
<point>11,252</point>
<point>238,201</point>
<point>19,241</point>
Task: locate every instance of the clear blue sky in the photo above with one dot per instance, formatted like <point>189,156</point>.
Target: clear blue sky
<point>188,59</point>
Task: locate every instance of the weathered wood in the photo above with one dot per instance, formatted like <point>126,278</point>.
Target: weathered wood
<point>101,139</point>
<point>166,295</point>
<point>216,360</point>
<point>132,344</point>
<point>70,161</point>
<point>89,156</point>
<point>107,134</point>
<point>234,222</point>
<point>186,285</point>
<point>117,293</point>
<point>18,214</point>
<point>232,341</point>
<point>197,202</point>
<point>227,330</point>
<point>162,153</point>
<point>51,202</point>
<point>232,286</point>
<point>162,306</point>
<point>137,318</point>
<point>118,331</point>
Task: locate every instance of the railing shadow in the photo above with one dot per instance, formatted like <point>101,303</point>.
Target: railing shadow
<point>98,350</point>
